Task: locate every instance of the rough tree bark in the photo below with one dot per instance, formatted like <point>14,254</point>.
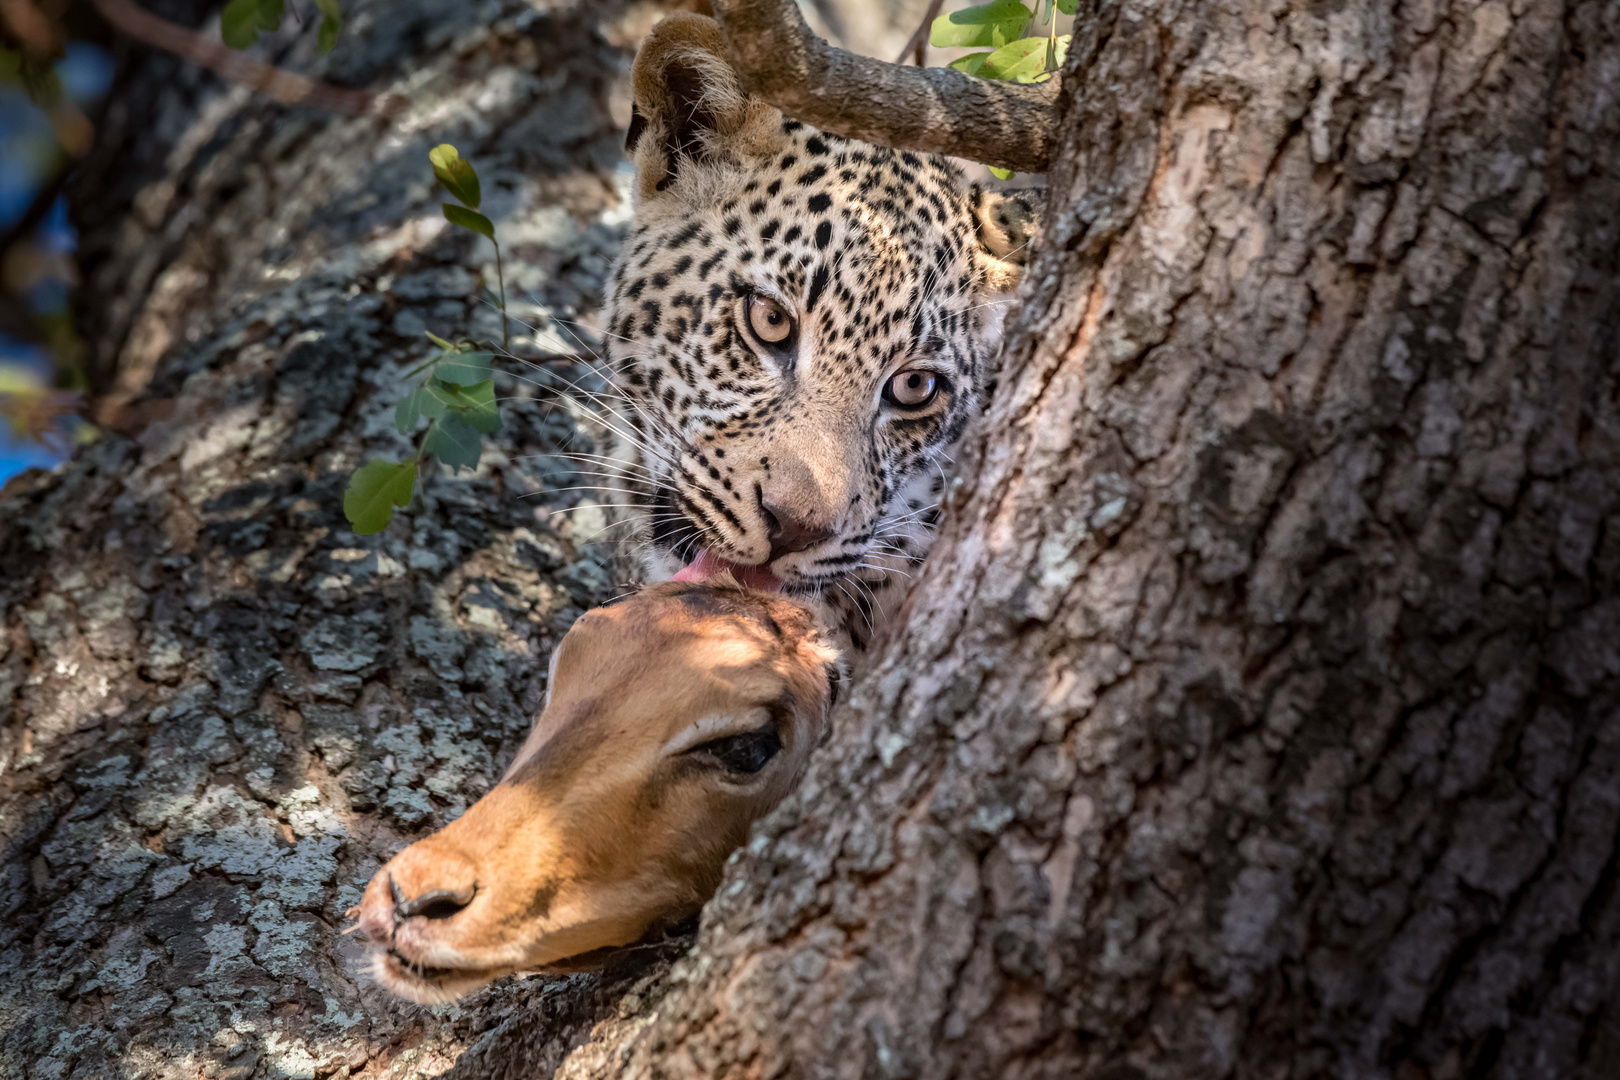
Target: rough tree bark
<point>1258,715</point>
<point>219,709</point>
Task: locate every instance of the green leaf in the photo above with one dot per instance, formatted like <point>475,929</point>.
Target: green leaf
<point>485,416</point>
<point>332,25</point>
<point>417,404</point>
<point>239,23</point>
<point>464,368</point>
<point>993,24</point>
<point>1001,174</point>
<point>437,340</point>
<point>1024,61</point>
<point>474,404</point>
<point>457,176</point>
<point>971,63</point>
<point>453,442</point>
<point>374,490</point>
<point>408,412</point>
<point>1068,7</point>
<point>468,219</point>
<point>242,20</point>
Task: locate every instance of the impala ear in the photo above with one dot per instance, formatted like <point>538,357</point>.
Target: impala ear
<point>690,107</point>
<point>1008,223</point>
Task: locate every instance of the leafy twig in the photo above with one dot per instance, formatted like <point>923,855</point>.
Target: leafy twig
<point>1011,57</point>
<point>457,392</point>
<point>457,398</point>
<point>459,179</point>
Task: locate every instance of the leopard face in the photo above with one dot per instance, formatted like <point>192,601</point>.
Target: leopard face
<point>800,327</point>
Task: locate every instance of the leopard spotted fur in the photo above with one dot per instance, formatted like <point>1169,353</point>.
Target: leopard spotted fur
<point>817,456</point>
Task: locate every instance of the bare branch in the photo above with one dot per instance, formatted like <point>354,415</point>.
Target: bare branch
<point>34,29</point>
<point>284,86</point>
<point>938,110</point>
<point>917,44</point>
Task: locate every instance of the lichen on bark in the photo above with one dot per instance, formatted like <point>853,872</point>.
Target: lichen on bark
<point>222,709</point>
<point>1257,714</point>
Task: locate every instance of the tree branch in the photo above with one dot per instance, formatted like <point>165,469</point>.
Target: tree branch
<point>284,86</point>
<point>938,110</point>
<point>917,45</point>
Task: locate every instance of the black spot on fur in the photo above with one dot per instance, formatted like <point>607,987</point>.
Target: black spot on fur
<point>632,134</point>
<point>686,233</point>
<point>817,284</point>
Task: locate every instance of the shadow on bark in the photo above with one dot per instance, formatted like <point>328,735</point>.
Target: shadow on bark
<point>222,709</point>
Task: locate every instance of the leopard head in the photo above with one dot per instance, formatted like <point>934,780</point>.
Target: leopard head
<point>800,325</point>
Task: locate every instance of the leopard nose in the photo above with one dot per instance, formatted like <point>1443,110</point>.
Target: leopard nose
<point>787,533</point>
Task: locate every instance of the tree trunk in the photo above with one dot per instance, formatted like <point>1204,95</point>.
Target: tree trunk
<point>219,709</point>
<point>1257,715</point>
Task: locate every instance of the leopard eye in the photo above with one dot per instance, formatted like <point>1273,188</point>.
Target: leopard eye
<point>769,321</point>
<point>911,389</point>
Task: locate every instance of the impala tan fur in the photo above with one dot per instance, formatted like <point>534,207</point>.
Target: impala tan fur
<point>673,720</point>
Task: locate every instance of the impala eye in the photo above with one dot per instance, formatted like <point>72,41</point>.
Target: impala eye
<point>746,753</point>
<point>911,390</point>
<point>769,320</point>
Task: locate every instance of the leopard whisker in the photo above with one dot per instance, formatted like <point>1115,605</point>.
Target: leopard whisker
<point>882,569</point>
<point>895,553</point>
<point>858,606</point>
<point>865,588</point>
<point>654,421</point>
<point>594,465</point>
<point>581,487</point>
<point>595,506</point>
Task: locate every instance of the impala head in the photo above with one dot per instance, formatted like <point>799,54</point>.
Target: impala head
<point>673,720</point>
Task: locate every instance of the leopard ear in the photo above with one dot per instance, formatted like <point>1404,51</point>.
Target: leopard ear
<point>690,107</point>
<point>1008,223</point>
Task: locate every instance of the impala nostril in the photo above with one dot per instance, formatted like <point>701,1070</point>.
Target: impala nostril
<point>440,907</point>
<point>438,904</point>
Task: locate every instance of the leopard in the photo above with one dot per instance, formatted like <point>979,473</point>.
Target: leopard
<point>797,333</point>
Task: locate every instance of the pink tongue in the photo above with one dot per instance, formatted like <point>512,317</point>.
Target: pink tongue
<point>708,566</point>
